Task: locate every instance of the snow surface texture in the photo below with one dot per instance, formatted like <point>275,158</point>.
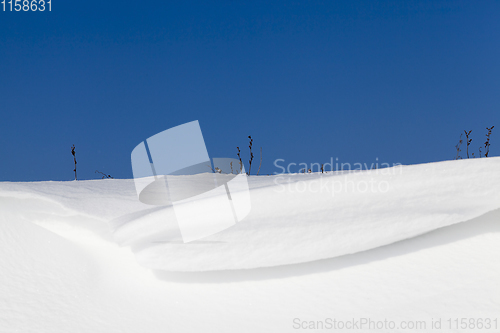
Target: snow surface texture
<point>61,269</point>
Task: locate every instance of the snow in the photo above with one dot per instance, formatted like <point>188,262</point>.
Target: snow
<point>88,256</point>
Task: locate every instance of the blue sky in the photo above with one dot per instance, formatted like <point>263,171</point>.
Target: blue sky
<point>309,80</point>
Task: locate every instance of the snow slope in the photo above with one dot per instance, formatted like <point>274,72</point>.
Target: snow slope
<point>426,246</point>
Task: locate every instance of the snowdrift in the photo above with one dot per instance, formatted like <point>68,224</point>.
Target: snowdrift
<point>294,218</point>
<point>63,269</point>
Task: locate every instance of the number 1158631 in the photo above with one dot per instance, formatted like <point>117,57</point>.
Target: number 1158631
<point>26,5</point>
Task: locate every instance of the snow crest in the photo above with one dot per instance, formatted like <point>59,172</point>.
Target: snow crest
<point>294,218</point>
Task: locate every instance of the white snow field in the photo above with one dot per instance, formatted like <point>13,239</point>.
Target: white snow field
<point>412,248</point>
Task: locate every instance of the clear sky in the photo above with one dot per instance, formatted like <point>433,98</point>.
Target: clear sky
<point>309,80</point>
